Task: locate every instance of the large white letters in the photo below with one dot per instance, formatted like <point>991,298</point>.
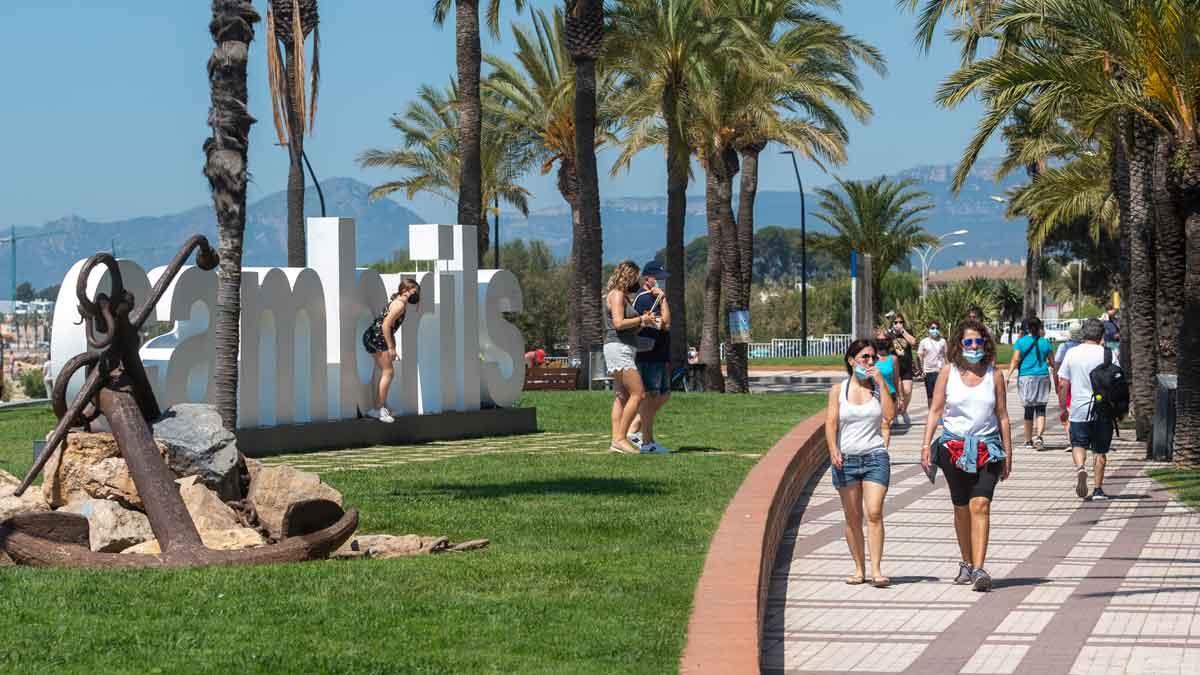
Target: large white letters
<point>301,355</point>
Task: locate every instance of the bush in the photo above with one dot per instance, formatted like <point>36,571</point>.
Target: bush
<point>33,384</point>
<point>948,306</point>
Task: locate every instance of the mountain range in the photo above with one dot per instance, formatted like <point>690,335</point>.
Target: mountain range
<point>634,227</point>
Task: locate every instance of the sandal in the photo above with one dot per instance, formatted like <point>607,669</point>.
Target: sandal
<point>881,582</point>
<point>623,450</point>
<point>855,579</point>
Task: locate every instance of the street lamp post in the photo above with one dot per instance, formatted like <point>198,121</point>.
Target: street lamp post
<point>803,260</point>
<point>927,254</point>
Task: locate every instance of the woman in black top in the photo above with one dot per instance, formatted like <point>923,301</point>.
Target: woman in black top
<point>902,344</point>
<point>379,339</point>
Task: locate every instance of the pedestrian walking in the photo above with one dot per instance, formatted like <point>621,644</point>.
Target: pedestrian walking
<point>1033,359</point>
<point>860,407</point>
<point>1099,395</point>
<point>974,450</point>
<point>932,354</point>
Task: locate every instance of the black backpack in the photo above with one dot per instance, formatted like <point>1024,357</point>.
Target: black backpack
<point>1110,390</point>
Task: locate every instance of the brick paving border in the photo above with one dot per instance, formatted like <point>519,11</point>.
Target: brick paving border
<point>725,630</point>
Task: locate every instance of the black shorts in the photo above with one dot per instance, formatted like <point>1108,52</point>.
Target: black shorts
<point>930,383</point>
<point>1095,435</point>
<point>966,486</point>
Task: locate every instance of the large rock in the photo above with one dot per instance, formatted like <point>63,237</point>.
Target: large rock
<point>26,503</point>
<point>197,444</point>
<point>207,510</point>
<point>219,540</point>
<point>110,479</point>
<point>398,546</point>
<point>275,488</point>
<point>8,483</point>
<point>112,528</point>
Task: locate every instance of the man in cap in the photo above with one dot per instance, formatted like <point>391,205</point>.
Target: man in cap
<point>653,357</point>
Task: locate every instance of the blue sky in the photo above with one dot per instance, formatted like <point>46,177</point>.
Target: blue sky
<point>106,102</point>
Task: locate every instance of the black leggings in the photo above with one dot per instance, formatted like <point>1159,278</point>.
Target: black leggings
<point>1035,410</point>
<point>966,486</point>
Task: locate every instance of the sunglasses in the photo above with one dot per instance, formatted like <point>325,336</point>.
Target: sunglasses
<point>972,342</point>
<point>866,358</point>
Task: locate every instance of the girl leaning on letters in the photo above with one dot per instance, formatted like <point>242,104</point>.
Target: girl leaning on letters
<point>380,342</point>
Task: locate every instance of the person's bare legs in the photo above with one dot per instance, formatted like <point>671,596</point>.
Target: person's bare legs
<point>651,404</point>
<point>1039,425</point>
<point>1099,462</point>
<point>1028,432</point>
<point>981,514</point>
<point>962,531</point>
<point>387,370</point>
<point>852,507</point>
<point>905,396</point>
<point>625,405</point>
<point>873,494</point>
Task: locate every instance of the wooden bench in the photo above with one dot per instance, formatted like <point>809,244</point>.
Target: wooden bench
<point>540,379</point>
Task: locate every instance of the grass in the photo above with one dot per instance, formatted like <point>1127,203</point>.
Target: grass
<point>1183,483</point>
<point>593,562</point>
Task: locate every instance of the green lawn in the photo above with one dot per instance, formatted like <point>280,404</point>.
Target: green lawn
<point>1183,483</point>
<point>593,562</point>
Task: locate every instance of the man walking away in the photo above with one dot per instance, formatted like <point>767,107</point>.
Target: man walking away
<point>1112,332</point>
<point>653,357</point>
<point>1092,413</point>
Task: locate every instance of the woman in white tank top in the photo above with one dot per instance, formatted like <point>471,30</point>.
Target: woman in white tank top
<point>859,409</point>
<point>974,450</point>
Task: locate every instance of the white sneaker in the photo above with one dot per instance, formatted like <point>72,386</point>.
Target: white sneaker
<point>634,437</point>
<point>373,413</point>
<point>653,448</point>
<point>385,415</point>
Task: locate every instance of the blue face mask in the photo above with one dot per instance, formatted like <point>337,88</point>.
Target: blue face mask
<point>933,332</point>
<point>973,355</point>
<point>861,373</point>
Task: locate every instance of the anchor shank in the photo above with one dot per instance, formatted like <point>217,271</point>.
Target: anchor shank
<point>169,518</point>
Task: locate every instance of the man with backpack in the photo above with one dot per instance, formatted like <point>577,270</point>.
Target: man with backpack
<point>1099,396</point>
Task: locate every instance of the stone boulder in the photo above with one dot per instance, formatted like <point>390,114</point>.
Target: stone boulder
<point>207,510</point>
<point>218,540</point>
<point>110,479</point>
<point>8,483</point>
<point>398,546</point>
<point>275,488</point>
<point>112,528</point>
<point>197,445</point>
<point>29,502</point>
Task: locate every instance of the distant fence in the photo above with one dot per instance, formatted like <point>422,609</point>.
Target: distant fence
<point>790,348</point>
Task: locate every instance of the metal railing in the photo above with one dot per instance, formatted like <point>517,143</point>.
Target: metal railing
<point>790,348</point>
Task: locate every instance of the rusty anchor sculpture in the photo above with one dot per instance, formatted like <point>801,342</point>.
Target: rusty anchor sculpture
<point>117,388</point>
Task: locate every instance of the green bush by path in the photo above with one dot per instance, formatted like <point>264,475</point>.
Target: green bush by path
<point>592,567</point>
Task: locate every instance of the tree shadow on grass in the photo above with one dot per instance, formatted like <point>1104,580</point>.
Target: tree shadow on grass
<point>584,485</point>
<point>696,448</point>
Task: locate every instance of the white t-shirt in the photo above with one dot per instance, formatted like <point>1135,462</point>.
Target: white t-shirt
<point>1077,367</point>
<point>933,354</point>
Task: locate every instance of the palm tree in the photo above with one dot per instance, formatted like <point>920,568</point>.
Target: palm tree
<point>1009,302</point>
<point>232,30</point>
<point>880,217</point>
<point>430,155</point>
<point>289,23</point>
<point>469,58</point>
<point>656,44</point>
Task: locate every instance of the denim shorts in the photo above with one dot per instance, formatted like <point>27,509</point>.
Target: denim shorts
<point>1095,435</point>
<point>875,467</point>
<point>654,377</point>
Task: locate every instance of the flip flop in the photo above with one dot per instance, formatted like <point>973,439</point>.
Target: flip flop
<point>622,451</point>
<point>881,582</point>
<point>855,579</point>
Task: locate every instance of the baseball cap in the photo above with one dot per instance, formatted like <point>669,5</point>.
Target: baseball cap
<point>656,269</point>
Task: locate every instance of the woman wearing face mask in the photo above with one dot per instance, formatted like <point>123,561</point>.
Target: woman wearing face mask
<point>860,407</point>
<point>932,353</point>
<point>902,344</point>
<point>974,450</point>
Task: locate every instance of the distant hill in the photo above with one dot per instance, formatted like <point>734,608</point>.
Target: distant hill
<point>382,226</point>
<point>634,227</point>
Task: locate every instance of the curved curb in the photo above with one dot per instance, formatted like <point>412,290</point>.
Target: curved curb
<point>725,629</point>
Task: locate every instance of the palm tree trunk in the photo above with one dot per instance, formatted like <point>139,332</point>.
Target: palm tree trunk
<point>710,333</point>
<point>737,377</point>
<point>568,187</point>
<point>232,29</point>
<point>591,247</point>
<point>1187,411</point>
<point>1120,189</point>
<point>1142,276</point>
<point>1033,259</point>
<point>469,57</point>
<point>678,160</point>
<point>297,255</point>
<point>747,195</point>
<point>1169,260</point>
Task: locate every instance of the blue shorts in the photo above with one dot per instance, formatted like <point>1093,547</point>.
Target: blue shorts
<point>1095,435</point>
<point>654,377</point>
<point>875,467</point>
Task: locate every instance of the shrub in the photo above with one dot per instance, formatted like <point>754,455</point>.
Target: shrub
<point>33,384</point>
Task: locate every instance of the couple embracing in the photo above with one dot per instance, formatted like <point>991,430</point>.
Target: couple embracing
<point>973,450</point>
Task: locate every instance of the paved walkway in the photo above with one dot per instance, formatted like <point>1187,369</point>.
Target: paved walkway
<point>1081,587</point>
